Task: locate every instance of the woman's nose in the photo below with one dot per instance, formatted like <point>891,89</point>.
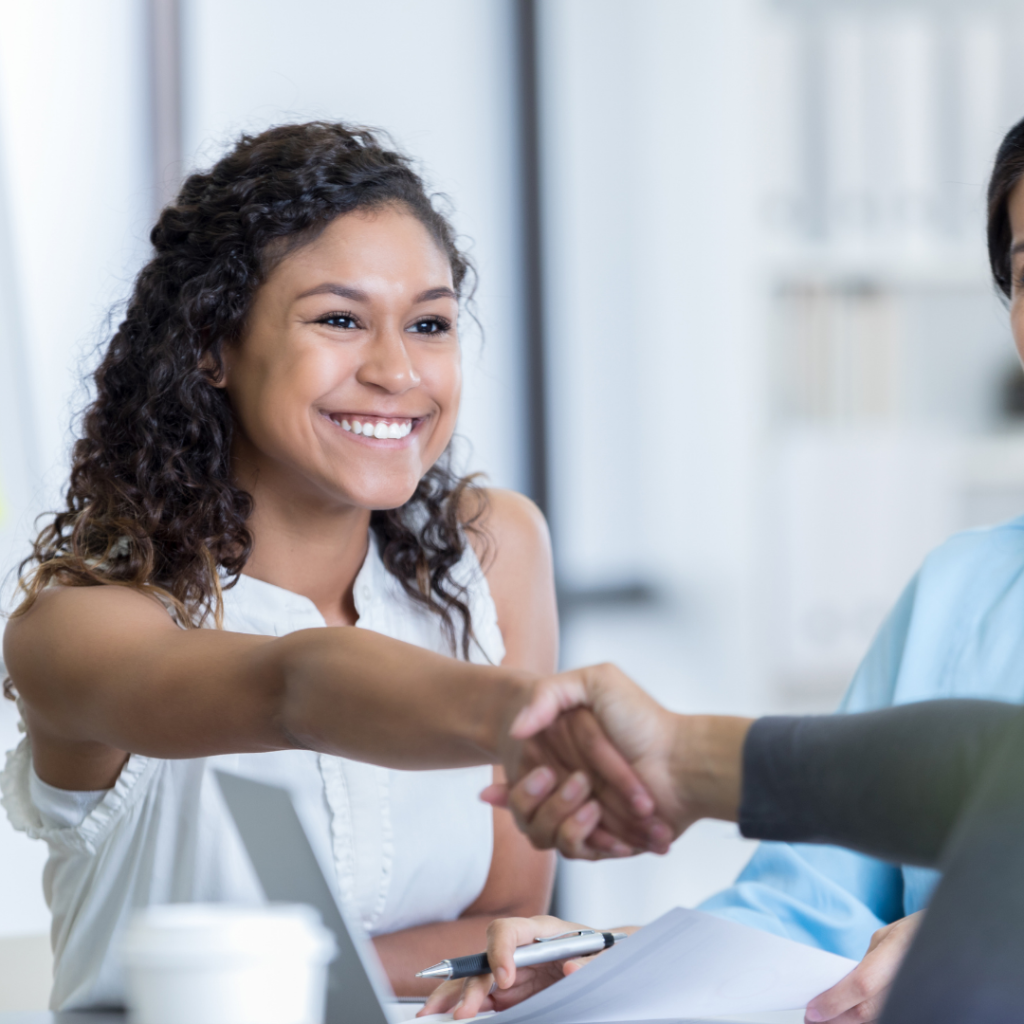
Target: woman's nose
<point>387,364</point>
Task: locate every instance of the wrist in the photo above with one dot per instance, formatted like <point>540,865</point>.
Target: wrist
<point>496,701</point>
<point>707,764</point>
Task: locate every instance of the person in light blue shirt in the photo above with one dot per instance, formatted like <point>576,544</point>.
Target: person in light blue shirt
<point>956,631</point>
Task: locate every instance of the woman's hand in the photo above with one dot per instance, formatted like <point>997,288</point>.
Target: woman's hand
<point>507,985</point>
<point>861,995</point>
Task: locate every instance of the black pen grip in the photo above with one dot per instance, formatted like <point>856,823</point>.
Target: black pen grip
<point>470,966</point>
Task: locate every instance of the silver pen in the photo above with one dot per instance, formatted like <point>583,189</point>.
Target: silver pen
<point>540,951</point>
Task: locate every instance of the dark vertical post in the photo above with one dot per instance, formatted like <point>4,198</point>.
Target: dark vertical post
<point>165,98</point>
<point>529,132</point>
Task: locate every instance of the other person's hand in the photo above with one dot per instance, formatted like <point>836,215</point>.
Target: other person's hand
<point>508,984</point>
<point>861,995</point>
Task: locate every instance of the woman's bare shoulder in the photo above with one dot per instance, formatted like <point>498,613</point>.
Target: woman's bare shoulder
<point>506,527</point>
<point>514,548</point>
<point>69,622</point>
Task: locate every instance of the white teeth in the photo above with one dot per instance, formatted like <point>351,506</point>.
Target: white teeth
<point>381,429</point>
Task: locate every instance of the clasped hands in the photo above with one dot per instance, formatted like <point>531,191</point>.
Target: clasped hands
<point>597,768</point>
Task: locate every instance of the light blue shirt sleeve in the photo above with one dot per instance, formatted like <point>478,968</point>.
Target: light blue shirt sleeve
<point>822,895</point>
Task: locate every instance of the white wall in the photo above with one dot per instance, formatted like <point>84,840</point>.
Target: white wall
<point>654,298</point>
<point>75,170</point>
<point>72,110</point>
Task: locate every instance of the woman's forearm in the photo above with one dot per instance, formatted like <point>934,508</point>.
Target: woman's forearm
<point>368,697</point>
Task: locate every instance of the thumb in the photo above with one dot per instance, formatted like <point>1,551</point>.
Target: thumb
<point>550,699</point>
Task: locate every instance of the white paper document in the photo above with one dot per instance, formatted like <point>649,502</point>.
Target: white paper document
<point>686,964</point>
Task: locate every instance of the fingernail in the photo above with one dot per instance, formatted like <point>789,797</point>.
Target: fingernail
<point>586,812</point>
<point>621,850</point>
<point>539,781</point>
<point>813,1015</point>
<point>574,788</point>
<point>501,976</point>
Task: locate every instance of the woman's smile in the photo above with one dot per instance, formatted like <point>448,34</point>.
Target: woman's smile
<point>377,431</point>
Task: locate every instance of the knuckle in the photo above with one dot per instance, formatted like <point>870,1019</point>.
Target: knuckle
<point>573,847</point>
<point>861,987</point>
<point>500,924</point>
<point>863,1012</point>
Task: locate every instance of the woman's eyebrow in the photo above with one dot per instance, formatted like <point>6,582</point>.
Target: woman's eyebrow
<point>356,295</point>
<point>435,293</point>
<point>340,290</point>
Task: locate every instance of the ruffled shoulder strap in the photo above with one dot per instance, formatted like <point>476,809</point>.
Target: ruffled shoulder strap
<point>16,799</point>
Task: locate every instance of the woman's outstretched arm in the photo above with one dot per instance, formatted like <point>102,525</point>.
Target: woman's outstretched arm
<point>104,672</point>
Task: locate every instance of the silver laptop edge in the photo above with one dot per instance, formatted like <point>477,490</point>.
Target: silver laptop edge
<point>290,872</point>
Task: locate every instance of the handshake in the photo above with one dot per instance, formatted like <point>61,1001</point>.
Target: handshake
<point>597,768</point>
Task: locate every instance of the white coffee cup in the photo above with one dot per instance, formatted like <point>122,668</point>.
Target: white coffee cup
<point>216,963</point>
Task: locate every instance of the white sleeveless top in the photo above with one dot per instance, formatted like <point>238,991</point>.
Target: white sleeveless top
<point>408,848</point>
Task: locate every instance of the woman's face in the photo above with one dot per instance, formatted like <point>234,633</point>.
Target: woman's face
<point>346,382</point>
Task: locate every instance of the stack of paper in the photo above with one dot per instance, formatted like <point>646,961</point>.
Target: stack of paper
<point>685,964</point>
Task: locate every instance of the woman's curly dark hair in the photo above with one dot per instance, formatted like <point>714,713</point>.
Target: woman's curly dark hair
<point>151,502</point>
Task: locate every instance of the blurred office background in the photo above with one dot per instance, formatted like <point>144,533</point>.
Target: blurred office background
<point>740,339</point>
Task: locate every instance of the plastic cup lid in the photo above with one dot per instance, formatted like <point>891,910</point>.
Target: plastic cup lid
<point>206,931</point>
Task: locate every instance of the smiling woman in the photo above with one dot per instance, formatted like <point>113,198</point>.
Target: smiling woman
<point>266,455</point>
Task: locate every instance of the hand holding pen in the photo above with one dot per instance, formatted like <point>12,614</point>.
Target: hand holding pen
<point>543,950</point>
<point>519,969</point>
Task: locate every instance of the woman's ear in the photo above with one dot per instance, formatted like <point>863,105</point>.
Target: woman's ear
<point>216,375</point>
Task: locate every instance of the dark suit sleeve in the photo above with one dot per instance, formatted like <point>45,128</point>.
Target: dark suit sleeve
<point>888,783</point>
<point>937,783</point>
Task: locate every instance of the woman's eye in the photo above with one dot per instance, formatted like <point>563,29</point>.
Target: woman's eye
<point>343,320</point>
<point>430,325</point>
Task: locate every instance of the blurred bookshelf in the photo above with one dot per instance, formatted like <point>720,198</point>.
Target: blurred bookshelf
<point>896,396</point>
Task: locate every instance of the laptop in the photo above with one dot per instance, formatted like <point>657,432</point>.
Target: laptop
<point>358,991</point>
